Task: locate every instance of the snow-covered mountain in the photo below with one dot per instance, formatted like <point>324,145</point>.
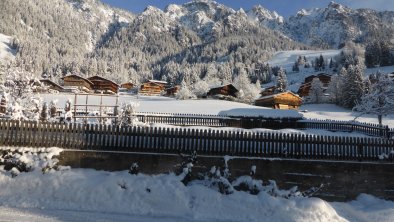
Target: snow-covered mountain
<point>195,39</point>
<point>337,24</point>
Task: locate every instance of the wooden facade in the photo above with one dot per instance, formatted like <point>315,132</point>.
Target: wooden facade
<point>3,105</point>
<point>153,87</point>
<point>127,85</point>
<point>325,79</point>
<point>172,91</point>
<point>50,85</point>
<point>285,100</point>
<point>77,82</point>
<point>225,90</point>
<point>103,85</point>
<point>268,91</point>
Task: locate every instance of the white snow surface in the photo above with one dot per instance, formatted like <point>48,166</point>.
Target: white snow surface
<point>286,59</point>
<point>90,195</point>
<point>334,112</point>
<point>6,53</point>
<point>160,104</point>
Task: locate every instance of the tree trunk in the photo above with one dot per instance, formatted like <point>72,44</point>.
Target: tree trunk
<point>380,120</point>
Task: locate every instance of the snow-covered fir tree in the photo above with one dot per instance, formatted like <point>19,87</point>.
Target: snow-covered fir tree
<point>379,100</point>
<point>316,91</point>
<point>353,86</point>
<point>281,81</point>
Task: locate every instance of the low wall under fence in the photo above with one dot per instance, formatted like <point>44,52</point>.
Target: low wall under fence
<point>204,141</point>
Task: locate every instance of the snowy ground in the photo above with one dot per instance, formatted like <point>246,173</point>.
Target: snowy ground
<point>90,195</point>
<point>334,112</point>
<point>6,53</point>
<point>161,104</point>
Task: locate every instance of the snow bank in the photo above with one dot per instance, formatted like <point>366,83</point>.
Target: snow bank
<point>334,112</point>
<point>90,195</point>
<point>160,195</point>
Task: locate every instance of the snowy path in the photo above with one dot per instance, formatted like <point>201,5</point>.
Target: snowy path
<point>42,215</point>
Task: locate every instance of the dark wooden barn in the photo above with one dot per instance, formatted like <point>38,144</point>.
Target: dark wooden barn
<point>172,91</point>
<point>325,79</point>
<point>225,90</point>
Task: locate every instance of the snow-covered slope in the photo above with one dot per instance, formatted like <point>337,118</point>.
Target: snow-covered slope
<point>6,53</point>
<point>337,24</point>
<point>286,59</point>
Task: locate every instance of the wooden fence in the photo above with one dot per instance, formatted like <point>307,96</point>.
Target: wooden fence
<point>347,126</point>
<point>204,141</point>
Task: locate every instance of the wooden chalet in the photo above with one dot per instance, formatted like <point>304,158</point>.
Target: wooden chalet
<point>153,87</point>
<point>103,85</point>
<point>284,100</point>
<point>77,82</point>
<point>225,90</point>
<point>3,105</point>
<point>325,79</point>
<point>50,85</point>
<point>127,85</point>
<point>172,91</point>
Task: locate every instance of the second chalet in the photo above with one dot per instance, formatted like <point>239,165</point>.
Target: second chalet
<point>103,85</point>
<point>74,83</point>
<point>153,87</point>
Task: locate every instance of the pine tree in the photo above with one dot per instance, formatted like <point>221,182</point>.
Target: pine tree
<point>296,68</point>
<point>281,81</point>
<point>353,86</point>
<point>379,100</point>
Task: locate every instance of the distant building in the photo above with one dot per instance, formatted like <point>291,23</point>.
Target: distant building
<point>324,78</point>
<point>284,100</point>
<point>153,87</point>
<point>172,91</point>
<point>127,85</point>
<point>225,90</point>
<point>268,91</point>
<point>3,105</point>
<point>103,85</point>
<point>77,83</point>
<point>51,86</point>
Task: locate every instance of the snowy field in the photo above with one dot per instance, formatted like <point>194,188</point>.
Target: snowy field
<point>334,112</point>
<point>6,53</point>
<point>161,104</point>
<point>90,195</point>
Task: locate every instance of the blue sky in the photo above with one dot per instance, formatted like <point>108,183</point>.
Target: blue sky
<point>283,7</point>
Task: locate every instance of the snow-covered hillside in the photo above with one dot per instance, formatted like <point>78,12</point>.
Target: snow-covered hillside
<point>286,60</point>
<point>6,53</point>
<point>90,195</point>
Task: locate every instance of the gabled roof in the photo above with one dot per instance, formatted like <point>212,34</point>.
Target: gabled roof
<point>51,82</point>
<point>157,81</point>
<point>78,76</point>
<point>277,94</point>
<point>102,78</point>
<point>221,86</point>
